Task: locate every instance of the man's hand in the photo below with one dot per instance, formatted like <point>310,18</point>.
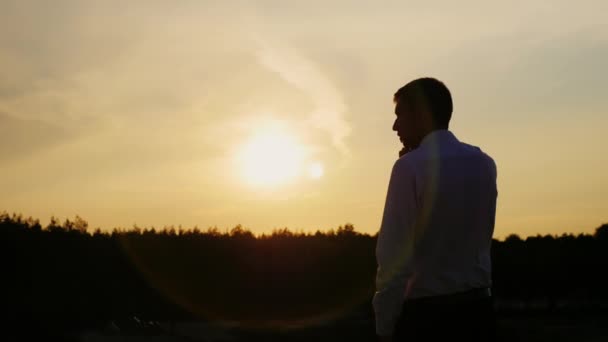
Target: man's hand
<point>388,338</point>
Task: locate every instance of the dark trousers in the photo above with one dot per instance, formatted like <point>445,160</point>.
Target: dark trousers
<point>468,320</point>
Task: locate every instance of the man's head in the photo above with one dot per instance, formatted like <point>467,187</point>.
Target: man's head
<point>422,106</point>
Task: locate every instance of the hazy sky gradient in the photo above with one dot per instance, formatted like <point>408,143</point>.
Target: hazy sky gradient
<point>132,112</point>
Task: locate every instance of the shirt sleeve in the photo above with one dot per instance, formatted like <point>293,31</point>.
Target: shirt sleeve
<point>394,248</point>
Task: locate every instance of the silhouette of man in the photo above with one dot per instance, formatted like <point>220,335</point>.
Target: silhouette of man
<point>433,249</point>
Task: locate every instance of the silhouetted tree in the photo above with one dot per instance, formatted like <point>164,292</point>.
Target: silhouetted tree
<point>64,273</point>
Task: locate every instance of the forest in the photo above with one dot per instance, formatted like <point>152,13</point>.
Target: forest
<point>65,274</point>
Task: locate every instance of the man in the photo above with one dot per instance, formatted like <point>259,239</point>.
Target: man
<point>433,250</point>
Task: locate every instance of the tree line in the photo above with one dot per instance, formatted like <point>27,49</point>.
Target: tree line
<point>68,273</point>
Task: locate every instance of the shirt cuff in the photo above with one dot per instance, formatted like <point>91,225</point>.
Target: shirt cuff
<point>384,329</point>
<point>387,311</point>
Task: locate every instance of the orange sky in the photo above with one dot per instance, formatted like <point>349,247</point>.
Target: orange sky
<point>148,112</point>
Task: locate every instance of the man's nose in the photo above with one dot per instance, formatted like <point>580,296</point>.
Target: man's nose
<point>395,126</point>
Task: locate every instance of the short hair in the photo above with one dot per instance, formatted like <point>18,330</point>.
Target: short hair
<point>431,93</point>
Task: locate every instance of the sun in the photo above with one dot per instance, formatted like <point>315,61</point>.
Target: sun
<point>271,156</point>
<point>315,170</point>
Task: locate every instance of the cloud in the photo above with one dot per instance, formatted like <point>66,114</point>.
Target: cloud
<point>329,113</point>
<point>21,138</point>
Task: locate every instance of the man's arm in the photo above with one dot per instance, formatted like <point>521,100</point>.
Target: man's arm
<point>394,247</point>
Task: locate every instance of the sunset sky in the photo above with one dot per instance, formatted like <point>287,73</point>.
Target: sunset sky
<point>278,114</point>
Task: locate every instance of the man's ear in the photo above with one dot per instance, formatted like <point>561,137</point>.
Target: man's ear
<point>426,117</point>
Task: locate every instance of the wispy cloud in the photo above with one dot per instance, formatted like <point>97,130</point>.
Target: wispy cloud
<point>329,113</point>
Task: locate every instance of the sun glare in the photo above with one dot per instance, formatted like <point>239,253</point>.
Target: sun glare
<point>315,170</point>
<point>272,156</point>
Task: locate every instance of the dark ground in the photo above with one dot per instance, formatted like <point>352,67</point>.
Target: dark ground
<point>62,282</point>
<point>513,326</point>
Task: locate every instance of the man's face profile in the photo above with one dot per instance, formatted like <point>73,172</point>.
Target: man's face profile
<point>406,125</point>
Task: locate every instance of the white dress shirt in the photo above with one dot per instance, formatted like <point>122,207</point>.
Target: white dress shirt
<point>437,225</point>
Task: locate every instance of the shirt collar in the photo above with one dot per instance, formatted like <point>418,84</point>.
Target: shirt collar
<point>437,136</point>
